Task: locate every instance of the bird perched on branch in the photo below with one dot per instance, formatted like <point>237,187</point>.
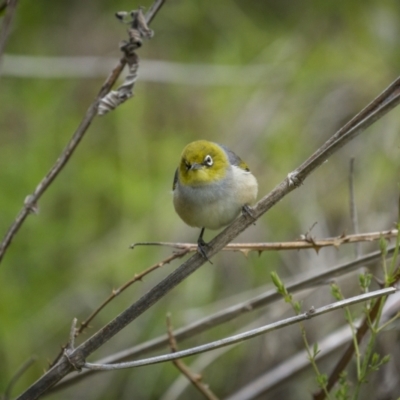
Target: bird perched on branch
<point>212,185</point>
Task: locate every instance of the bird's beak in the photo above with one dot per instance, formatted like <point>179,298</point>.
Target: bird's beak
<point>195,166</point>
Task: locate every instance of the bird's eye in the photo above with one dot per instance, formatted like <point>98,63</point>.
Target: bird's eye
<point>208,160</point>
<point>187,165</point>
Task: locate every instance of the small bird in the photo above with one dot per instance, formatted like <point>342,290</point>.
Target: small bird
<point>212,185</point>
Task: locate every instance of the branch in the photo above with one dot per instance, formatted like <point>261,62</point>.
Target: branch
<point>285,370</point>
<point>195,379</point>
<point>348,354</point>
<point>230,313</point>
<point>307,243</point>
<point>30,203</point>
<point>246,335</point>
<point>116,292</point>
<point>374,111</point>
<point>137,277</point>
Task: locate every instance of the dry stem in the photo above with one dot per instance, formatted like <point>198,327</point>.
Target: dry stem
<point>195,379</point>
<point>307,243</point>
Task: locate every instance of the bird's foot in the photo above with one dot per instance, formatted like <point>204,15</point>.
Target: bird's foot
<point>247,210</point>
<point>202,247</point>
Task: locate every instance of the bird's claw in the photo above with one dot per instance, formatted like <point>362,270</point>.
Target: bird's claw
<point>247,210</point>
<point>201,248</point>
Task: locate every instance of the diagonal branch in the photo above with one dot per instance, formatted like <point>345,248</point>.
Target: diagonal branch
<point>231,312</point>
<point>348,354</point>
<point>30,203</point>
<point>379,107</point>
<point>116,292</point>
<point>314,312</point>
<point>195,379</point>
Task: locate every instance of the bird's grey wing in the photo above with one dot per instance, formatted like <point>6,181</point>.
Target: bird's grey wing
<point>175,180</point>
<point>234,159</point>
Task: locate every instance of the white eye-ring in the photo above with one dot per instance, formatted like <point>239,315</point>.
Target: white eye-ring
<point>208,160</point>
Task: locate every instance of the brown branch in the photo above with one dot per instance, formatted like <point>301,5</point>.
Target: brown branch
<point>195,379</point>
<point>137,277</point>
<point>116,292</point>
<point>292,245</point>
<point>379,107</point>
<point>30,203</point>
<point>230,313</point>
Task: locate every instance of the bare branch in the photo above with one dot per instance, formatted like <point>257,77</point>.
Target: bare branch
<point>72,335</point>
<point>246,335</point>
<point>285,370</point>
<point>230,313</point>
<point>195,379</point>
<point>136,278</point>
<point>315,244</point>
<point>31,200</point>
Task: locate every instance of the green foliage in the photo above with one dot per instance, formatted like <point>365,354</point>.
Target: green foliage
<point>343,391</point>
<point>365,281</point>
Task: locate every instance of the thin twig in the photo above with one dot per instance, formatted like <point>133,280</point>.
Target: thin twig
<point>72,335</point>
<point>379,107</point>
<point>11,6</point>
<point>32,200</point>
<point>230,313</point>
<point>137,277</point>
<point>315,244</point>
<point>314,312</point>
<point>195,379</point>
<point>353,207</point>
<point>21,370</point>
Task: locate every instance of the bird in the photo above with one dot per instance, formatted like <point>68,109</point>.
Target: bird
<point>211,187</point>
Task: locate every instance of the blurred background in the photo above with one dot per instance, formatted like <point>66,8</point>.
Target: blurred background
<point>272,80</point>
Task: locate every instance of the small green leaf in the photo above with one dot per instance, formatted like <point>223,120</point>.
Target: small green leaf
<point>276,281</point>
<point>335,291</point>
<point>383,245</point>
<point>315,349</point>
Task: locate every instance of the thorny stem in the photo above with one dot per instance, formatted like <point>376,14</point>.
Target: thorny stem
<point>306,243</point>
